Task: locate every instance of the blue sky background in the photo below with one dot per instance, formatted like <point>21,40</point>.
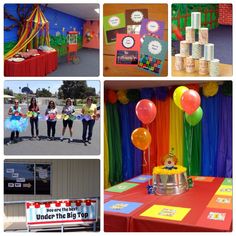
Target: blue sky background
<point>35,84</point>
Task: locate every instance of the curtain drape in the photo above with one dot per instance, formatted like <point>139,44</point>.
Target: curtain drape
<point>224,157</point>
<point>210,133</point>
<point>106,152</point>
<point>114,144</point>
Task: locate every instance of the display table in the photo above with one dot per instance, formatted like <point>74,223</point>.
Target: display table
<point>123,209</point>
<point>40,65</point>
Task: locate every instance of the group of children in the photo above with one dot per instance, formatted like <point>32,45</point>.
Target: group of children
<point>51,112</point>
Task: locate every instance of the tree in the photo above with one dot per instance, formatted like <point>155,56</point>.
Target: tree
<point>23,13</point>
<point>8,91</point>
<point>75,89</point>
<point>43,93</point>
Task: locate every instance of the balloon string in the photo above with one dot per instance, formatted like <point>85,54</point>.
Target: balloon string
<point>149,160</point>
<point>144,159</point>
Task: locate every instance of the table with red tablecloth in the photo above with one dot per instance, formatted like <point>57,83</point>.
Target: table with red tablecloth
<point>40,65</point>
<point>196,199</point>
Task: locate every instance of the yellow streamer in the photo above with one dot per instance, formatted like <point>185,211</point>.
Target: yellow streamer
<point>176,131</point>
<point>106,153</point>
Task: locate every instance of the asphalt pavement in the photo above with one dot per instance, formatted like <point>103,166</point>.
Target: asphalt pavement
<point>27,146</point>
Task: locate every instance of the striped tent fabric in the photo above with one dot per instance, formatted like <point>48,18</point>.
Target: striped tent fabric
<point>35,25</point>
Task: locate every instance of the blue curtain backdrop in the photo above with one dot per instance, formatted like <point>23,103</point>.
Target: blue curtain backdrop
<point>224,154</point>
<point>210,132</point>
<point>131,157</point>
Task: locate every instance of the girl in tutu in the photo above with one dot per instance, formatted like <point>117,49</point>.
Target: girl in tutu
<point>16,122</point>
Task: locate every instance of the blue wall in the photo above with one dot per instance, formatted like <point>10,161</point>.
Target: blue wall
<point>57,21</point>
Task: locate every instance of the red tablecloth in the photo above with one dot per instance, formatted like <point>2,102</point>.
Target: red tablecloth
<point>196,198</point>
<point>40,65</point>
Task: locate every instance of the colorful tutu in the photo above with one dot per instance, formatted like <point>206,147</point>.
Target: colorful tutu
<point>16,123</point>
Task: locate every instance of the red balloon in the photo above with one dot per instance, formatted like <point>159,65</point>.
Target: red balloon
<point>146,111</point>
<point>190,101</point>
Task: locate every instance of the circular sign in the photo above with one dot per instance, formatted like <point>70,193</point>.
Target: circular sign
<point>152,26</point>
<point>154,47</point>
<point>128,42</point>
<point>137,16</point>
<point>114,21</point>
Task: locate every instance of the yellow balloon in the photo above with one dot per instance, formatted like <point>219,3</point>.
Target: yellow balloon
<point>178,94</point>
<point>141,138</point>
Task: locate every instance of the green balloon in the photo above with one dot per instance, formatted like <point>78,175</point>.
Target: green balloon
<point>195,117</point>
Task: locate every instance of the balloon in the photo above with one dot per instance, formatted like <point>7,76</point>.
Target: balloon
<point>190,101</point>
<point>146,111</point>
<point>179,91</point>
<point>141,138</point>
<point>195,117</point>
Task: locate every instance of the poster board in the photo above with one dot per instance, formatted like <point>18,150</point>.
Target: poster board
<point>60,212</point>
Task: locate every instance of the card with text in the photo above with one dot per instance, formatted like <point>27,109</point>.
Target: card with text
<point>222,202</point>
<point>122,187</point>
<point>166,212</point>
<point>152,55</point>
<point>127,49</point>
<point>134,19</point>
<point>152,28</point>
<point>113,25</point>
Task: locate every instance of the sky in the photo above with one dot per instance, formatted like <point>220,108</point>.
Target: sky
<point>35,84</point>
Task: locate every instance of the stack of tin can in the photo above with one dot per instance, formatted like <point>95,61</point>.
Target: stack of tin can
<point>201,51</point>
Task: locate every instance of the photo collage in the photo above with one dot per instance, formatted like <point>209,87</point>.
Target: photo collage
<point>117,116</point>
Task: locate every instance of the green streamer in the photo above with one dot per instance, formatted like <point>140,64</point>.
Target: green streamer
<point>114,144</point>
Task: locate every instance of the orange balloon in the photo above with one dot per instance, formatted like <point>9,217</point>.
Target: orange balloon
<point>141,138</point>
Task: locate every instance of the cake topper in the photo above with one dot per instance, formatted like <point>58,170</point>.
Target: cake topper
<point>170,160</point>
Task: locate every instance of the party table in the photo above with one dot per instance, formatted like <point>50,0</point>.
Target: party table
<point>128,208</point>
<point>40,65</point>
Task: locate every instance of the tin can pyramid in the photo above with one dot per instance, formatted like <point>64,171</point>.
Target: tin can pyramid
<point>202,52</point>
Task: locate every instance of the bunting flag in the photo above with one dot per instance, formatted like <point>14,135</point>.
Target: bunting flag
<point>34,26</point>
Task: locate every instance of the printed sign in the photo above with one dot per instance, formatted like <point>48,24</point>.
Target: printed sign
<point>127,49</point>
<point>166,212</point>
<point>152,55</point>
<point>134,19</point>
<point>141,179</point>
<point>113,25</point>
<point>61,212</point>
<point>122,207</point>
<point>151,28</point>
<point>122,187</point>
<point>23,178</point>
<point>225,190</point>
<point>222,202</point>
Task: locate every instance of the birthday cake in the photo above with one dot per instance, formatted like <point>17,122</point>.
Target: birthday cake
<point>169,178</point>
